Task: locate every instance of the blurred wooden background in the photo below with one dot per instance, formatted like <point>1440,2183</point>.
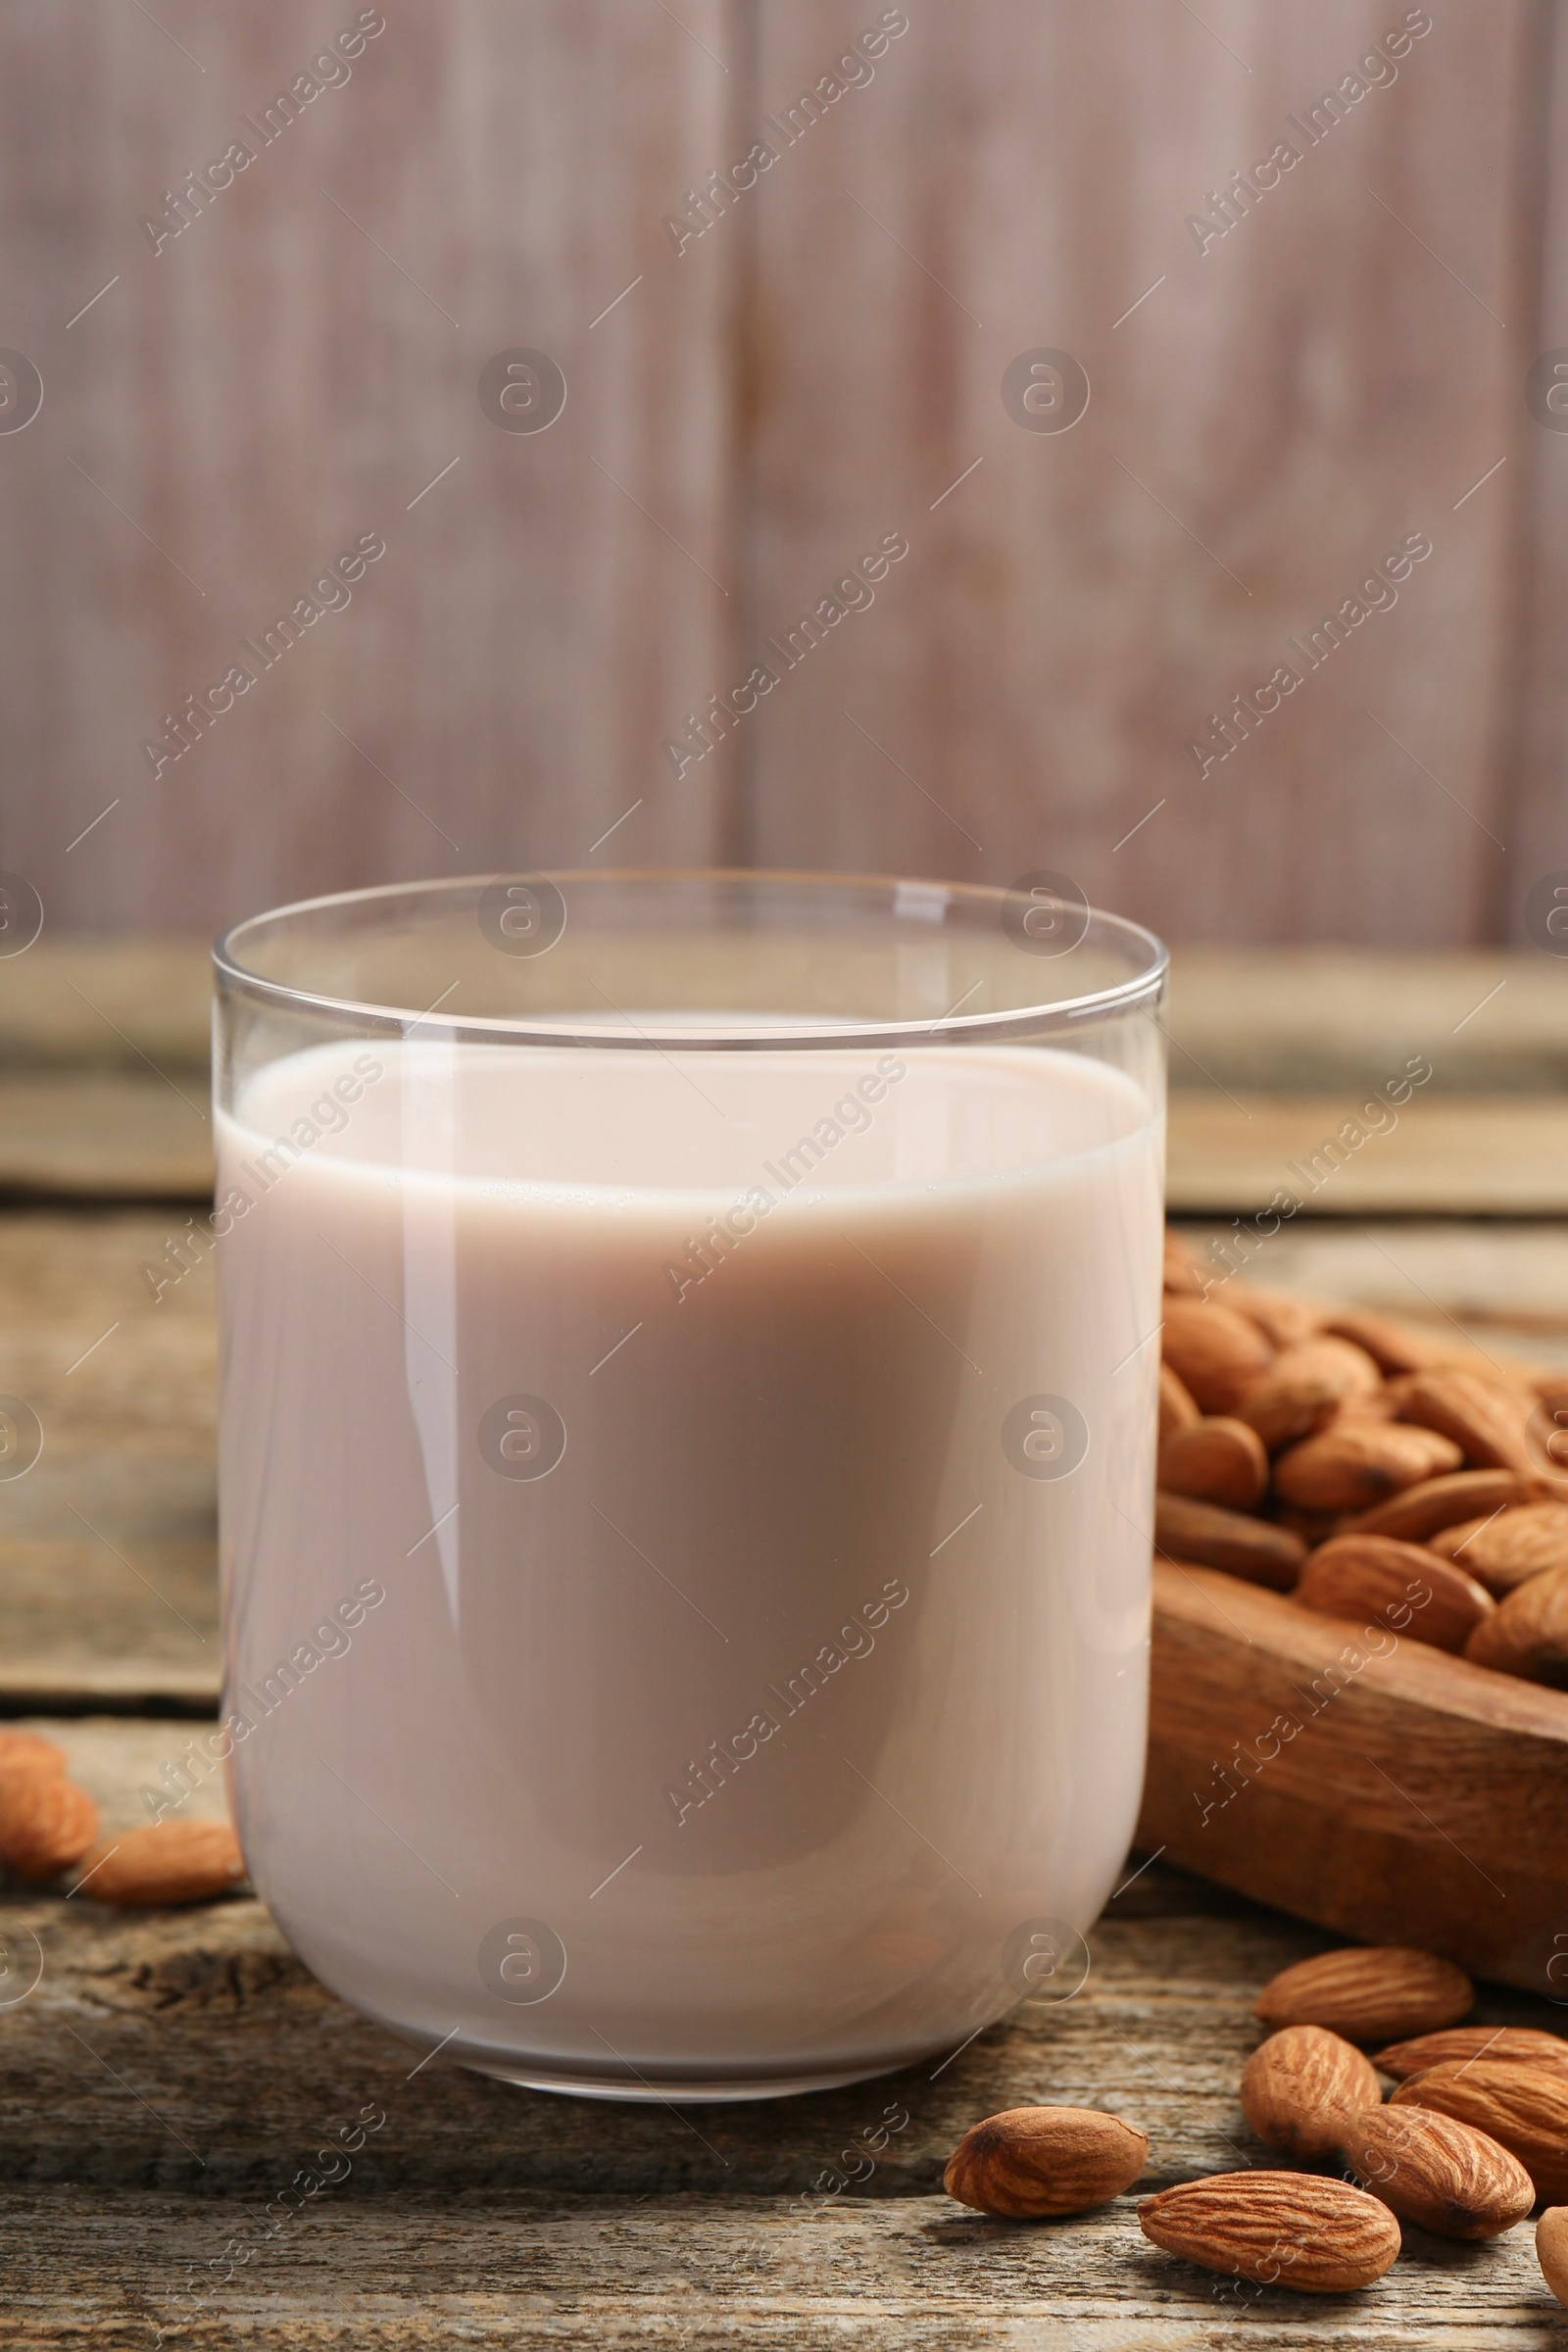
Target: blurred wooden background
<point>822,366</point>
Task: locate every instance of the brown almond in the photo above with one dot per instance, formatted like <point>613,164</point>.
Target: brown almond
<point>1458,2044</point>
<point>1439,1503</point>
<point>1176,1408</point>
<point>1396,1585</point>
<point>1302,2086</point>
<point>1486,1420</point>
<point>1253,1549</point>
<point>1283,1320</point>
<point>1357,1462</point>
<point>1183,1273</point>
<point>1527,1632</point>
<point>1216,1351</point>
<point>1434,2170</point>
<point>167,1862</point>
<point>1551,2249</point>
<point>46,1822</point>
<point>1509,1547</point>
<point>1295,2229</point>
<point>32,1751</point>
<point>1304,1389</point>
<point>1368,1992</point>
<point>1392,1345</point>
<point>1029,2162</point>
<point>1524,2108</point>
<point>1215,1460</point>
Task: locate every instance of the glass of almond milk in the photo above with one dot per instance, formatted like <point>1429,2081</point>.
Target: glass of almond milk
<point>688,1360</point>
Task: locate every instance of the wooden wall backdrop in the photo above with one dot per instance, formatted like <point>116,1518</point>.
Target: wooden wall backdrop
<point>820,368</point>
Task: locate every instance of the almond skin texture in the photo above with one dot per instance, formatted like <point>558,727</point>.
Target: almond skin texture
<point>1439,1503</point>
<point>1524,2108</point>
<point>1217,1352</point>
<point>168,1862</point>
<point>1357,1462</point>
<point>1551,2249</point>
<point>1509,1548</point>
<point>1253,1549</point>
<point>1453,2180</point>
<point>32,1753</point>
<point>1394,1347</point>
<point>1397,1585</point>
<point>1487,1421</point>
<point>1214,1461</point>
<point>1368,1992</point>
<point>1525,2044</point>
<point>1030,2162</point>
<point>1176,1408</point>
<point>1297,2230</point>
<point>1284,1321</point>
<point>46,1822</point>
<point>1306,1388</point>
<point>1302,2088</point>
<point>1527,1634</point>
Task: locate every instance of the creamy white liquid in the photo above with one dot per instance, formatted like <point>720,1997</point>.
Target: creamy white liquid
<point>731,1633</point>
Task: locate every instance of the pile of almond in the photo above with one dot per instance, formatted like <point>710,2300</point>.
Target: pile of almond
<point>1366,1469</point>
<point>49,1828</point>
<point>1475,2133</point>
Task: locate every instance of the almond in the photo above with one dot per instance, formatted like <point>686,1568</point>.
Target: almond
<point>1217,1461</point>
<point>1392,1345</point>
<point>1283,1320</point>
<point>1297,2230</point>
<point>1524,2108</point>
<point>1527,1633</point>
<point>1439,1503</point>
<point>1551,2249</point>
<point>1509,1547</point>
<point>1183,1274</point>
<point>1528,2044</point>
<point>31,1751</point>
<point>1214,1350</point>
<point>46,1822</point>
<point>1486,1419</point>
<point>168,1862</point>
<point>1355,1463</point>
<point>1397,1585</point>
<point>1305,1389</point>
<point>1433,2169</point>
<point>1176,1408</point>
<point>1253,1549</point>
<point>1032,2161</point>
<point>1302,2086</point>
<point>1368,1992</point>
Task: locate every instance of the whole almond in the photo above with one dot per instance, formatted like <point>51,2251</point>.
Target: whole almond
<point>1357,1462</point>
<point>1396,1585</point>
<point>1433,2169</point>
<point>1439,1503</point>
<point>1183,1273</point>
<point>167,1862</point>
<point>1527,1633</point>
<point>1214,1461</point>
<point>1368,1992</point>
<point>1297,2230</point>
<point>1458,2044</point>
<point>1216,1352</point>
<point>1509,1547</point>
<point>1284,1321</point>
<point>46,1822</point>
<point>1253,1549</point>
<point>1304,1389</point>
<point>1176,1408</point>
<point>1032,2161</point>
<point>1302,2086</point>
<point>1487,1420</point>
<point>32,1751</point>
<point>1524,2108</point>
<point>1392,1345</point>
<point>1551,2249</point>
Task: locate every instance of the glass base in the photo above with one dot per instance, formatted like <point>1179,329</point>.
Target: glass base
<point>677,2093</point>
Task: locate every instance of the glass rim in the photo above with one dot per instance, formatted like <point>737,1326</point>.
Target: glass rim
<point>1140,990</point>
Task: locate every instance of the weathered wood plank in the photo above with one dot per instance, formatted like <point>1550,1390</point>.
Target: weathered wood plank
<point>1449,1154</point>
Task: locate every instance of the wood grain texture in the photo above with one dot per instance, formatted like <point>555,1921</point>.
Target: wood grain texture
<point>1332,374</point>
<point>1449,1154</point>
<point>1376,1786</point>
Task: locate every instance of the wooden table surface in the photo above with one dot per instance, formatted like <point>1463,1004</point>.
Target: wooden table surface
<point>167,2076</point>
